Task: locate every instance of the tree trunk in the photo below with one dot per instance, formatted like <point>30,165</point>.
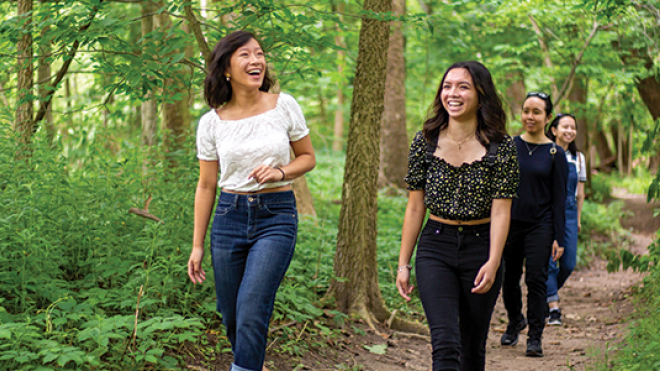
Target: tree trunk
<point>338,130</point>
<point>175,114</point>
<point>515,94</point>
<point>43,73</point>
<point>24,110</point>
<point>393,147</point>
<point>355,259</point>
<point>149,108</point>
<point>605,154</point>
<point>578,99</point>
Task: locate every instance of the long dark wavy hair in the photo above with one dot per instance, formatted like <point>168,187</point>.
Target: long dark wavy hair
<point>217,90</point>
<point>491,118</point>
<point>572,147</point>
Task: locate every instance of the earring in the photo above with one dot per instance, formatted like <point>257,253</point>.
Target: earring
<point>228,77</point>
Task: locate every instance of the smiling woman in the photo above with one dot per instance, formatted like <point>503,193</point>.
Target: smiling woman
<point>463,168</point>
<point>245,139</point>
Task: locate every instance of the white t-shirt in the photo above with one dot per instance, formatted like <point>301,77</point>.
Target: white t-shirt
<point>241,145</point>
<point>580,165</point>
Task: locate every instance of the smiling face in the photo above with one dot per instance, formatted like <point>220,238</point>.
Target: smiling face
<point>247,66</point>
<point>459,95</point>
<point>565,131</point>
<point>534,117</point>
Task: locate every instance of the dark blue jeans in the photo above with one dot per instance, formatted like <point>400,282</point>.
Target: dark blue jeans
<point>559,271</point>
<point>448,260</point>
<point>529,244</point>
<point>252,243</point>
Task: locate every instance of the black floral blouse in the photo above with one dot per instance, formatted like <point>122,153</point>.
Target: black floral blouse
<point>465,192</point>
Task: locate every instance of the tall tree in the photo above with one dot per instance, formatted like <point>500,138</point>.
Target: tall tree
<point>24,109</point>
<point>393,146</point>
<point>149,108</point>
<point>357,290</point>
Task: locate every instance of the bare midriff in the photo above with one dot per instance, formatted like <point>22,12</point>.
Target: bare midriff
<point>265,190</point>
<point>459,222</point>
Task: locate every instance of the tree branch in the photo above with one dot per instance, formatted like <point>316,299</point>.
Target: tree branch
<point>199,36</point>
<point>60,74</point>
<point>546,52</point>
<point>571,75</point>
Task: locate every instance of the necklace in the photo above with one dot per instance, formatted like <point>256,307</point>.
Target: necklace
<point>530,151</point>
<point>459,144</point>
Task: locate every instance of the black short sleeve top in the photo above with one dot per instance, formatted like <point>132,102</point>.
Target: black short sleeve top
<point>465,192</point>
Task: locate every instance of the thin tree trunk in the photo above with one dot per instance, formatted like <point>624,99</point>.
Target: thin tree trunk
<point>24,110</point>
<point>149,108</point>
<point>43,73</point>
<point>515,93</point>
<point>578,97</point>
<point>619,146</point>
<point>393,147</point>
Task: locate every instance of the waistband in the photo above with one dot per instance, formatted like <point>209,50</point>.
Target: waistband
<point>453,229</point>
<point>257,198</point>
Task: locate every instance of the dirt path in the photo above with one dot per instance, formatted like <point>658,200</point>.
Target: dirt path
<point>595,314</point>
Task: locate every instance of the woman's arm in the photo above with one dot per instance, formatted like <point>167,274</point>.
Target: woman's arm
<point>204,200</point>
<point>304,161</point>
<point>412,224</point>
<point>500,219</point>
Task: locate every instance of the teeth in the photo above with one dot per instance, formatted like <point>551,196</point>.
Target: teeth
<point>454,103</point>
<point>254,71</point>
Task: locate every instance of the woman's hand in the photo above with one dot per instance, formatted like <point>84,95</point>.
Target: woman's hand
<point>266,174</point>
<point>403,283</point>
<point>557,251</point>
<point>195,271</point>
<point>485,277</point>
<point>579,227</point>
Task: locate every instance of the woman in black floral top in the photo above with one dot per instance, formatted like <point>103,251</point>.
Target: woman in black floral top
<point>463,167</point>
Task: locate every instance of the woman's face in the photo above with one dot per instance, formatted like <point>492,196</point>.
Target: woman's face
<point>534,117</point>
<point>247,66</point>
<point>459,95</point>
<point>565,131</point>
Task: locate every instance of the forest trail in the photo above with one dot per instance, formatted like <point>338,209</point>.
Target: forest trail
<point>595,307</point>
<point>595,310</point>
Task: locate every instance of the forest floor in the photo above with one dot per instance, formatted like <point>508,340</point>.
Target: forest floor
<point>595,307</point>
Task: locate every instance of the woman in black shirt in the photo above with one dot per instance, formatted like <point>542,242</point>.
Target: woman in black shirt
<point>463,168</point>
<point>537,223</point>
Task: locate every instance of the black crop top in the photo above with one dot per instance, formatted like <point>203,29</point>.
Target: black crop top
<point>465,192</point>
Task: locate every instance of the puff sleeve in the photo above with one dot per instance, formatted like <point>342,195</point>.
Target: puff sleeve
<point>417,166</point>
<point>297,125</point>
<point>206,142</point>
<point>506,171</point>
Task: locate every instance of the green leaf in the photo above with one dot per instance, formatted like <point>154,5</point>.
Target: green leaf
<point>376,349</point>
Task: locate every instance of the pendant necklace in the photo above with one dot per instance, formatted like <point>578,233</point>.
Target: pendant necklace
<point>530,151</point>
<point>459,144</point>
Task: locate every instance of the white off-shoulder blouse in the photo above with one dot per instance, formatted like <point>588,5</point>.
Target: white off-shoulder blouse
<point>241,145</point>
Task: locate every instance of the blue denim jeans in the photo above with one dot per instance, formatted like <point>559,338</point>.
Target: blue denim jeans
<point>560,270</point>
<point>252,242</point>
<point>448,260</point>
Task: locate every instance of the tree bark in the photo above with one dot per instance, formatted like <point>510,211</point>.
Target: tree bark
<point>149,109</point>
<point>393,147</point>
<point>515,93</point>
<point>578,97</point>
<point>24,110</point>
<point>43,73</point>
<point>355,260</point>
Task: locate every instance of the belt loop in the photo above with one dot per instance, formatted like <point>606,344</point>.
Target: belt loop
<point>440,228</point>
<point>235,201</point>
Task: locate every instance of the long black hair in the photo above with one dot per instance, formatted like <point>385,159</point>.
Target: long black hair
<point>572,147</point>
<point>491,118</point>
<point>217,90</point>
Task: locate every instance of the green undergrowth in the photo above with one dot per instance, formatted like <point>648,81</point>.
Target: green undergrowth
<point>74,263</point>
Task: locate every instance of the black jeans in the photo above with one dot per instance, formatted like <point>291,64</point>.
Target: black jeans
<point>448,260</point>
<point>531,243</point>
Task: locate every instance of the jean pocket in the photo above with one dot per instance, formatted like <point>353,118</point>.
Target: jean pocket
<point>281,208</point>
<point>223,209</point>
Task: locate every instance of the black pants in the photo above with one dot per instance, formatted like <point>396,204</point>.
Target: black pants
<point>531,243</point>
<point>448,260</point>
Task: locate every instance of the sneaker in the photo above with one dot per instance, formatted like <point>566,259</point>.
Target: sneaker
<point>510,337</point>
<point>555,317</point>
<point>534,348</point>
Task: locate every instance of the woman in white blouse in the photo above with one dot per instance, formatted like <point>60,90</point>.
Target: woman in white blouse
<point>246,137</point>
<point>563,131</point>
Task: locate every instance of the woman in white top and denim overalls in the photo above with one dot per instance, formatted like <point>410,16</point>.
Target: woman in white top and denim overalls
<point>246,139</point>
